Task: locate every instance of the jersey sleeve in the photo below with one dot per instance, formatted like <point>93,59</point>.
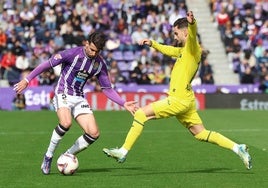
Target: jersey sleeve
<point>103,77</point>
<point>192,45</point>
<point>52,62</point>
<point>166,49</point>
<point>113,95</point>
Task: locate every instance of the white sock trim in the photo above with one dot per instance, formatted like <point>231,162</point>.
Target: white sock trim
<point>235,148</point>
<point>123,151</point>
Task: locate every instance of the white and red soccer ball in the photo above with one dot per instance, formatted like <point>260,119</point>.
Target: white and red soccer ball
<point>67,164</point>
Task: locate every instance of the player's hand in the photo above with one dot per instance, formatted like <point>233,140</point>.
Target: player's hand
<point>131,106</point>
<point>147,42</point>
<point>190,17</point>
<point>19,87</point>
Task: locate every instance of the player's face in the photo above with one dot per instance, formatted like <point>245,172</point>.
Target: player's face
<point>179,35</point>
<point>91,49</point>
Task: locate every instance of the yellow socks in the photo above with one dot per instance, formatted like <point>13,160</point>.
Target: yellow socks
<point>215,138</point>
<point>135,130</point>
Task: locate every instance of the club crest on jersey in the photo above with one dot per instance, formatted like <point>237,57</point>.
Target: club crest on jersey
<point>57,57</point>
<point>96,65</point>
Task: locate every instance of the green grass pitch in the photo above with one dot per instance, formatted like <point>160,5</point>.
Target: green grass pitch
<point>166,155</point>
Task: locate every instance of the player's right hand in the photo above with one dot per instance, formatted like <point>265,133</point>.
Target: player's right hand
<point>20,86</point>
<point>147,42</point>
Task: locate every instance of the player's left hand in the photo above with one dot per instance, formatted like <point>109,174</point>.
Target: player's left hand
<point>131,106</point>
<point>190,17</point>
<point>19,87</point>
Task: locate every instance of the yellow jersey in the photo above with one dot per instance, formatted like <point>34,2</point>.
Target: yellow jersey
<point>186,65</point>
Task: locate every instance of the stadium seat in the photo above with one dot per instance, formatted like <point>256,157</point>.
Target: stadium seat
<point>123,66</point>
<point>125,74</point>
<point>129,56</point>
<point>118,55</point>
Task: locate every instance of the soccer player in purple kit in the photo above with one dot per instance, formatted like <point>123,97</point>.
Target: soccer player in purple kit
<point>78,65</point>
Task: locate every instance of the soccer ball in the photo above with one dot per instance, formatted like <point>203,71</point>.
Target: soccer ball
<point>67,164</point>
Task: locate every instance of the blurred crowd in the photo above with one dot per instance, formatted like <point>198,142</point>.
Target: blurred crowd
<point>243,25</point>
<point>32,30</point>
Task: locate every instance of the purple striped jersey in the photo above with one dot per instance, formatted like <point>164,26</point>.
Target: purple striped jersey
<point>76,69</point>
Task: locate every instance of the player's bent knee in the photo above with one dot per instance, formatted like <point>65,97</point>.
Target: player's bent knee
<point>203,135</point>
<point>66,124</point>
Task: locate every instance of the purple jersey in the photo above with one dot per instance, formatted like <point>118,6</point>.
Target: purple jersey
<point>76,69</point>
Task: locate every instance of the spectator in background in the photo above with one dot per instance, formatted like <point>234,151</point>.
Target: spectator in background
<point>263,87</point>
<point>125,41</point>
<point>50,19</point>
<point>8,62</point>
<point>104,21</point>
<point>60,20</point>
<point>158,75</point>
<point>17,49</point>
<point>27,17</point>
<point>207,79</point>
<point>115,73</point>
<point>144,56</point>
<point>22,66</point>
<point>247,77</point>
<point>222,18</point>
<point>259,51</point>
<point>19,102</point>
<point>136,36</point>
<point>47,77</point>
<point>120,26</point>
<point>59,42</point>
<point>34,61</point>
<point>206,72</point>
<point>87,27</point>
<point>234,54</point>
<point>3,41</point>
<point>238,31</point>
<point>141,72</point>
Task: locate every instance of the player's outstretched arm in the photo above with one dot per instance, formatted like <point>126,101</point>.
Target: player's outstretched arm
<point>20,86</point>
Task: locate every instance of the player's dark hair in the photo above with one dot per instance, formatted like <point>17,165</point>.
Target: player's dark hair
<point>181,23</point>
<point>98,39</point>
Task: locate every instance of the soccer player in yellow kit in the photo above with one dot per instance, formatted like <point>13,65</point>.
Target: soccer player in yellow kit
<point>180,101</point>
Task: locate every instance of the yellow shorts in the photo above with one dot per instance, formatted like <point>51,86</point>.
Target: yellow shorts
<point>184,110</point>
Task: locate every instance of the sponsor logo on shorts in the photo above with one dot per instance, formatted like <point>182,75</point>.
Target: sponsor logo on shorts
<point>84,106</point>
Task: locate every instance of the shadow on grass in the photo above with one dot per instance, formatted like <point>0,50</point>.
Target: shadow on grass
<point>140,171</point>
<point>101,170</point>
